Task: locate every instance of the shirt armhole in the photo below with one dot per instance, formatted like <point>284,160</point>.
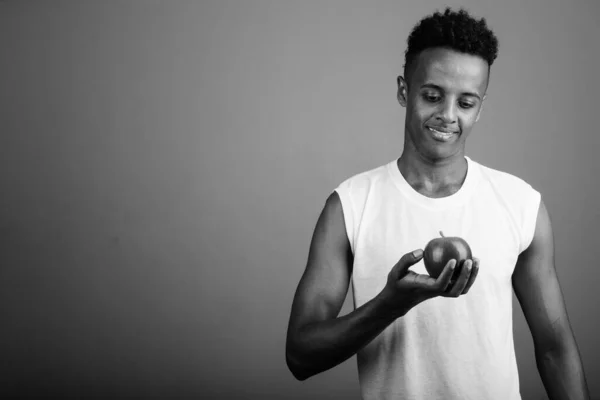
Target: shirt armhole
<point>348,212</point>
<point>530,218</point>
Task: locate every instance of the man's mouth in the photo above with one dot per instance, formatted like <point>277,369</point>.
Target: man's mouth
<point>442,134</point>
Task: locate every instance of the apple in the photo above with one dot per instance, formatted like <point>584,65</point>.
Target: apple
<point>440,250</point>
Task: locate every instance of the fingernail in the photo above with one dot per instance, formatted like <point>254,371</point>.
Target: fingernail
<point>417,253</point>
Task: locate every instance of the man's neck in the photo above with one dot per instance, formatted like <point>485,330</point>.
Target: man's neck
<point>433,178</point>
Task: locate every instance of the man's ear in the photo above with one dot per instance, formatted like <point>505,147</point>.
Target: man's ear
<point>402,91</point>
<point>480,108</point>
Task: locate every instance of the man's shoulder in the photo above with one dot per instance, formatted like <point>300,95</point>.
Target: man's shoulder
<point>366,178</point>
<point>503,179</point>
<point>518,197</point>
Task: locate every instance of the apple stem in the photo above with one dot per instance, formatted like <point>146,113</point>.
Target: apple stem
<point>442,234</point>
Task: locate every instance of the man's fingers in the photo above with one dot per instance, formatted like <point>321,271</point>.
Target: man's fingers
<point>473,275</point>
<point>461,281</point>
<point>405,263</point>
<point>442,281</point>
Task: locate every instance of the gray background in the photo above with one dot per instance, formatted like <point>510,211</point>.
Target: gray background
<point>163,163</point>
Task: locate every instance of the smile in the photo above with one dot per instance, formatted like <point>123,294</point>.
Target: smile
<point>441,135</point>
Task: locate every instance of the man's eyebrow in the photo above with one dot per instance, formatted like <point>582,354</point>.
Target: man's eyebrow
<point>436,87</point>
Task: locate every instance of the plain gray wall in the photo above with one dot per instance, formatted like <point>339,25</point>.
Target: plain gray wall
<point>163,163</point>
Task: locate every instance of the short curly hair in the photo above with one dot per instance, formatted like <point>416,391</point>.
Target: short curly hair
<point>456,30</point>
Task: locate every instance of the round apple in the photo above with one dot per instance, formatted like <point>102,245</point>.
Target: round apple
<point>440,250</point>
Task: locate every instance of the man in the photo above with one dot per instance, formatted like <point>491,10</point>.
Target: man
<point>417,337</point>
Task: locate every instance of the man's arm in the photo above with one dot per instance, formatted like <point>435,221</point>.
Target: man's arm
<point>538,291</point>
<point>317,339</point>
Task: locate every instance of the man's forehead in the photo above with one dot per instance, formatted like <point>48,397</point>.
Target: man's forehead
<point>450,69</point>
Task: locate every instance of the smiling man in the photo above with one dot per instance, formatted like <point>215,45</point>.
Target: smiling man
<point>415,336</point>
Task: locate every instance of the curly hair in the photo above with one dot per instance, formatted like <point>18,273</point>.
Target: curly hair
<point>455,30</point>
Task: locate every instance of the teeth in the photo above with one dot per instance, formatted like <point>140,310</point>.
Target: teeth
<point>441,135</point>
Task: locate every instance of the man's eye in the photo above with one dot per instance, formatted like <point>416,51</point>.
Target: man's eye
<point>466,105</point>
<point>431,98</point>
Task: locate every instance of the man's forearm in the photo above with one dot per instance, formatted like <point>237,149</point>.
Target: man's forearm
<point>562,372</point>
<point>323,345</point>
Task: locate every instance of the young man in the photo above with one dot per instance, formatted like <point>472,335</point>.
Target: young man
<point>417,337</point>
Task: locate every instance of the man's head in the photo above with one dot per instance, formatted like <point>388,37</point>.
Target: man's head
<point>455,30</point>
<point>446,76</point>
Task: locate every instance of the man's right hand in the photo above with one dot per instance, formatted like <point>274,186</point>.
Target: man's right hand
<point>405,288</point>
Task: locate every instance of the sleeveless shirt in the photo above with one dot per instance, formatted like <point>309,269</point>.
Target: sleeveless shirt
<point>444,348</point>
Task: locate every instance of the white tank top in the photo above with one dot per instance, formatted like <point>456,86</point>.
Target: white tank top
<point>444,348</point>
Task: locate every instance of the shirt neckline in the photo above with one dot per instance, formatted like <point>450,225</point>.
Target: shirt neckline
<point>455,199</point>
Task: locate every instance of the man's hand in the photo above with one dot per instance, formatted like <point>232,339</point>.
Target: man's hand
<point>405,289</point>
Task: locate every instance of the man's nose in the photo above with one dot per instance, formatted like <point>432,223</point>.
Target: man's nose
<point>448,113</point>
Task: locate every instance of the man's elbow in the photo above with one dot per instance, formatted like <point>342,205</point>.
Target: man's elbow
<point>557,340</point>
<point>295,368</point>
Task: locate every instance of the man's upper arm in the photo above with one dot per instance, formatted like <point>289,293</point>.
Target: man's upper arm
<point>323,287</point>
<point>537,288</point>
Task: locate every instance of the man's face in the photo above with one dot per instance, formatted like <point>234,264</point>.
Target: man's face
<point>443,100</point>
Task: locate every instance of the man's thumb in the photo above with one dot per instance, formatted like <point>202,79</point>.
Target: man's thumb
<point>406,262</point>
